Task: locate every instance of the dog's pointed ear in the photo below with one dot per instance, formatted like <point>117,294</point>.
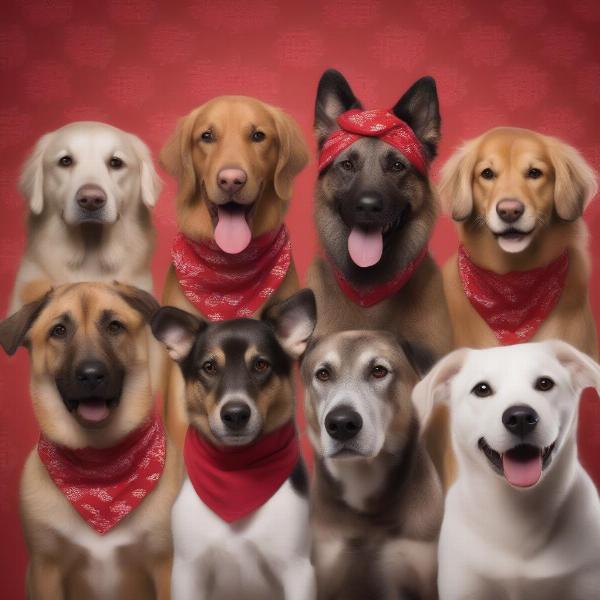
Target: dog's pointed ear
<point>420,109</point>
<point>456,183</point>
<point>435,387</point>
<point>293,153</point>
<point>177,330</point>
<point>575,182</point>
<point>334,97</point>
<point>420,358</point>
<point>150,183</point>
<point>14,329</point>
<point>294,321</point>
<point>584,371</point>
<point>31,182</point>
<point>176,158</point>
<point>141,300</point>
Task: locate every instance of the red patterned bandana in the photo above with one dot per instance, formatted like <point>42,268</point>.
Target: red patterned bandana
<point>355,124</point>
<point>366,297</point>
<point>105,485</point>
<point>227,286</point>
<point>235,481</point>
<point>514,305</point>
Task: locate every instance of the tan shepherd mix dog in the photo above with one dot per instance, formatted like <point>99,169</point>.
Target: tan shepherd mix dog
<point>90,388</point>
<point>235,159</point>
<point>518,197</point>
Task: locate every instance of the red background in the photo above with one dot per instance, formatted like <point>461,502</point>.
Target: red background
<point>140,65</point>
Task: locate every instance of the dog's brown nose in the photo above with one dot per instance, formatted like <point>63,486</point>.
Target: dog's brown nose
<point>509,210</point>
<point>91,197</point>
<point>231,180</point>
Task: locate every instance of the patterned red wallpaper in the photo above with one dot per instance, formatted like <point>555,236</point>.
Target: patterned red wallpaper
<point>141,64</point>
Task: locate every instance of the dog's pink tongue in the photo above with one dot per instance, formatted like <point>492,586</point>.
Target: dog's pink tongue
<point>232,233</point>
<point>365,247</point>
<point>93,411</point>
<point>522,471</point>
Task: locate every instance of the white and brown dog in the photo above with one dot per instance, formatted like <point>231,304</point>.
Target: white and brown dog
<point>522,521</point>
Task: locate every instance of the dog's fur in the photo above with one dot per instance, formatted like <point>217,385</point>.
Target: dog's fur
<point>266,554</point>
<point>498,541</point>
<point>270,165</point>
<point>376,499</point>
<point>418,311</point>
<point>554,202</point>
<point>68,559</point>
<point>64,243</point>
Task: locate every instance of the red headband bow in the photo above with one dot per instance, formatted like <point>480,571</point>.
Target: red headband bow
<point>356,123</point>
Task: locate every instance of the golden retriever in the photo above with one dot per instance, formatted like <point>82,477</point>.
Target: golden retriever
<point>235,159</point>
<point>518,197</point>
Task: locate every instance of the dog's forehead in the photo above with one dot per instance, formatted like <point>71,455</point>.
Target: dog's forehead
<point>89,137</point>
<point>233,111</point>
<point>512,144</point>
<point>236,337</point>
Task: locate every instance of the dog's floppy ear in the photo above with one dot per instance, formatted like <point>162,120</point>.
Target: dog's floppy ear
<point>575,182</point>
<point>420,109</point>
<point>434,388</point>
<point>31,182</point>
<point>176,157</point>
<point>293,153</point>
<point>150,183</point>
<point>293,320</point>
<point>585,371</point>
<point>456,183</point>
<point>177,330</point>
<point>334,97</point>
<point>420,358</point>
<point>142,301</point>
<point>14,329</point>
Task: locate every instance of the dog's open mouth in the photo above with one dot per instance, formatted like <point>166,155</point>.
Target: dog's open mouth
<point>92,412</point>
<point>232,223</point>
<point>513,240</point>
<point>522,465</point>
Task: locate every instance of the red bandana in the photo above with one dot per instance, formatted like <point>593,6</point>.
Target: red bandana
<point>514,305</point>
<point>355,124</point>
<point>226,286</point>
<point>235,481</point>
<point>373,295</point>
<point>105,485</point>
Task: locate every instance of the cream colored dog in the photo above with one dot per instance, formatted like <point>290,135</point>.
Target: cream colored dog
<point>522,521</point>
<point>89,187</point>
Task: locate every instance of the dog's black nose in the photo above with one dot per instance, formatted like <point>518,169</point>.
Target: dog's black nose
<point>235,415</point>
<point>520,420</point>
<point>509,209</point>
<point>91,197</point>
<point>343,423</point>
<point>91,374</point>
<point>368,205</point>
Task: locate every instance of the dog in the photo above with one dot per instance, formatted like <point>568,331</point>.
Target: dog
<point>240,522</point>
<point>235,159</point>
<point>522,521</point>
<point>375,209</point>
<point>521,273</point>
<point>97,490</point>
<point>377,500</point>
<point>90,188</point>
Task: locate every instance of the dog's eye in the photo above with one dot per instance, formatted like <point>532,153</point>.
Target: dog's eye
<point>347,165</point>
<point>260,365</point>
<point>398,166</point>
<point>323,374</point>
<point>209,367</point>
<point>258,136</point>
<point>379,371</point>
<point>116,163</point>
<point>115,327</point>
<point>207,136</point>
<point>482,389</point>
<point>487,173</point>
<point>534,173</point>
<point>544,384</point>
<point>65,161</point>
<point>58,331</point>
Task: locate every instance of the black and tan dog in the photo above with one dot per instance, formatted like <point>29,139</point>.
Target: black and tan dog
<point>96,492</point>
<point>376,498</point>
<point>375,209</point>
